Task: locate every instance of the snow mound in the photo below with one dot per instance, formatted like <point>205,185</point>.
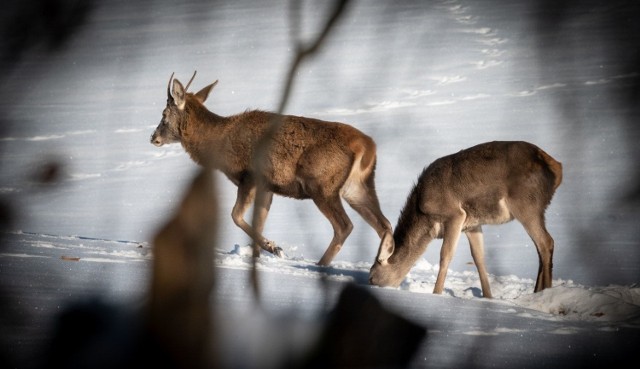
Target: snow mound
<point>612,303</point>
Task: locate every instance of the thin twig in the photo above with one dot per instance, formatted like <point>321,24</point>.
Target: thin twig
<point>262,147</point>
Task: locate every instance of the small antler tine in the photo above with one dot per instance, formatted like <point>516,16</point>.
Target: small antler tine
<point>191,80</point>
<point>169,87</point>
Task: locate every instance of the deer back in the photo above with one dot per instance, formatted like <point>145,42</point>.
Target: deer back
<point>483,178</point>
<point>305,156</point>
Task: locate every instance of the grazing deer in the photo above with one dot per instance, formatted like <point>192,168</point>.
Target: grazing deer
<point>306,159</point>
<point>491,183</point>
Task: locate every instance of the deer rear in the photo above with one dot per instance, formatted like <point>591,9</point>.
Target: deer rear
<point>306,159</point>
<point>491,183</point>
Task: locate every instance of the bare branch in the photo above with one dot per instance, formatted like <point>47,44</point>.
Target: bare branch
<point>302,52</point>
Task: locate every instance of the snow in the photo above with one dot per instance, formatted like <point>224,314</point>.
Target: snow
<point>423,80</point>
<point>297,292</point>
<point>567,301</point>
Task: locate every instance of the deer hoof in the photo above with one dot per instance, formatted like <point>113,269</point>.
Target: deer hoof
<point>277,251</point>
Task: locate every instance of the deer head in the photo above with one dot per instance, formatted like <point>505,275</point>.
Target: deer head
<point>174,115</point>
<point>387,271</point>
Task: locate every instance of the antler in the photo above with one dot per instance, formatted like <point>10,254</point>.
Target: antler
<point>169,97</point>
<point>185,89</point>
<point>191,80</point>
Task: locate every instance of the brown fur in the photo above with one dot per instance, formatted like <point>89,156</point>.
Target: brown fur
<point>307,159</point>
<point>491,183</point>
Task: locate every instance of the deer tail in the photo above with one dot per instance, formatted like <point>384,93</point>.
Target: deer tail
<point>362,168</point>
<point>554,166</point>
<point>364,161</point>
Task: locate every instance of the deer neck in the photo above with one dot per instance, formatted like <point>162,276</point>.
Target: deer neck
<point>412,234</point>
<point>202,135</point>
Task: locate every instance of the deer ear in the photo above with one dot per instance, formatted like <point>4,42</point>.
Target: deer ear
<point>204,93</point>
<point>387,247</point>
<point>178,94</point>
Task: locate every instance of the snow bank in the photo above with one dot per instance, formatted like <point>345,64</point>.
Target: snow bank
<point>612,304</point>
<point>565,301</point>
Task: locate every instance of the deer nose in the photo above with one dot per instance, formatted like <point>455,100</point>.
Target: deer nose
<point>372,279</point>
<point>155,140</point>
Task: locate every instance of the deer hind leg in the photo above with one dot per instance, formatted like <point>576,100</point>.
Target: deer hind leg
<point>244,199</point>
<point>544,245</point>
<point>334,211</point>
<point>476,243</point>
<point>452,230</point>
<point>363,199</point>
<point>359,189</point>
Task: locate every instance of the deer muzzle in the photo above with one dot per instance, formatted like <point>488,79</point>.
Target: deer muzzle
<point>156,140</point>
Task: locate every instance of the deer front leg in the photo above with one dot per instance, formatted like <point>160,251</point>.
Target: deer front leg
<point>452,230</point>
<point>246,195</point>
<point>475,238</point>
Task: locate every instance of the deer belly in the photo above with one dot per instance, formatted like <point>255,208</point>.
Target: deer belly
<point>293,189</point>
<point>484,211</point>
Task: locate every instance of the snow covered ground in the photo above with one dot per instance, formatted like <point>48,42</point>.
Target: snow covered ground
<point>568,325</point>
<point>566,301</point>
<point>424,80</point>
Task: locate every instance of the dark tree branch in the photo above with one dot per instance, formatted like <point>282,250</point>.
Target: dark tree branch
<point>303,52</point>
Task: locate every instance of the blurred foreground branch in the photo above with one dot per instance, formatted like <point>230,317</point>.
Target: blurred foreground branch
<point>183,277</point>
<point>175,328</point>
<point>303,52</point>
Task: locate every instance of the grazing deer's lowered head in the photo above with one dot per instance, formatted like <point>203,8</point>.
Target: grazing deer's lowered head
<point>306,159</point>
<point>491,183</point>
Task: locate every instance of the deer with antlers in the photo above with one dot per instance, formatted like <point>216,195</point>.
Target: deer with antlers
<point>305,159</point>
